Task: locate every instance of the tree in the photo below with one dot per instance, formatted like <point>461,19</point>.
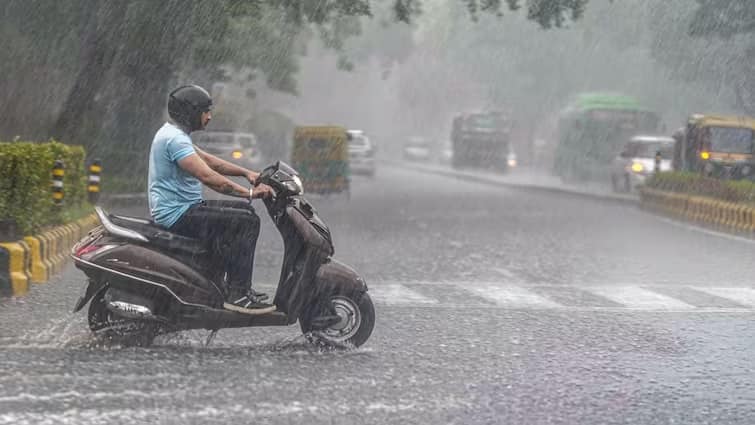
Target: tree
<point>711,43</point>
<point>133,52</point>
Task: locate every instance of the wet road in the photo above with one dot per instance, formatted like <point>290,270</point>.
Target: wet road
<point>494,306</point>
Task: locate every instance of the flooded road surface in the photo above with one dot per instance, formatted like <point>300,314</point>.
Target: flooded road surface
<point>493,306</point>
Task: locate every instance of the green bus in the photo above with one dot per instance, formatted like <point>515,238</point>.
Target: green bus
<point>592,131</point>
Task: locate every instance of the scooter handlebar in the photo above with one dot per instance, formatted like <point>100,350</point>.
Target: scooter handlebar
<point>273,197</point>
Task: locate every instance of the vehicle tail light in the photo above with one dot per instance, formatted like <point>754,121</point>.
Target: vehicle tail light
<point>87,251</point>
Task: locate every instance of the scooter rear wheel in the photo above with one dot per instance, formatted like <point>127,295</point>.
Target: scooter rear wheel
<point>357,314</point>
<point>111,329</point>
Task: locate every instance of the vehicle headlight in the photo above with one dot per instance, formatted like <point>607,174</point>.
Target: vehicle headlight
<point>637,167</point>
<point>236,154</point>
<point>512,162</point>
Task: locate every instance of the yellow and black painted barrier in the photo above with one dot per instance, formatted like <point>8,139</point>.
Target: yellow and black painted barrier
<point>727,216</point>
<point>93,181</point>
<point>58,174</point>
<point>35,259</point>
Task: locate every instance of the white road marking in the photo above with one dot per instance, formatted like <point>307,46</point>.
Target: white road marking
<point>511,296</point>
<point>634,297</point>
<point>395,293</point>
<point>629,297</point>
<point>744,296</point>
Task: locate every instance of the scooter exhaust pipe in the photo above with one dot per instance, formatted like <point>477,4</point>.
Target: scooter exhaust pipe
<point>130,311</point>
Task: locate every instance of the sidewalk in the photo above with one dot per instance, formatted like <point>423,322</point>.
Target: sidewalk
<point>526,178</point>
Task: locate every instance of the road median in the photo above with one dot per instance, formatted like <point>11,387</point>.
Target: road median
<point>37,258</point>
<point>730,217</point>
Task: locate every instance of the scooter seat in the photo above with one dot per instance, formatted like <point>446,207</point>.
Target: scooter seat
<point>161,237</point>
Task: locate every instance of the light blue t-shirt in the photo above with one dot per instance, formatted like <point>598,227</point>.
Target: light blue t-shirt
<point>172,190</point>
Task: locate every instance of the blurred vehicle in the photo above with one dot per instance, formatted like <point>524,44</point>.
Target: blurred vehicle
<point>361,153</point>
<point>481,140</point>
<point>321,155</point>
<point>636,162</point>
<point>511,160</point>
<point>417,148</point>
<point>592,130</point>
<point>236,147</point>
<point>718,146</point>
<point>446,154</point>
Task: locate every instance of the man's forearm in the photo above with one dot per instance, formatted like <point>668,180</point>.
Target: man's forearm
<point>222,185</point>
<point>224,167</point>
<point>228,169</point>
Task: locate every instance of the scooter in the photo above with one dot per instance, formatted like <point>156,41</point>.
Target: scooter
<point>145,281</point>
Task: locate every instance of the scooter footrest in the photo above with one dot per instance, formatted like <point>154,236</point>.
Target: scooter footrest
<point>212,318</point>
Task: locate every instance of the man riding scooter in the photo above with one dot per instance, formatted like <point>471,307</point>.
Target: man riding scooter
<point>177,171</point>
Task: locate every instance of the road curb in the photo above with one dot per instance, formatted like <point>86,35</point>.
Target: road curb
<point>495,181</point>
<point>710,213</point>
<point>37,258</point>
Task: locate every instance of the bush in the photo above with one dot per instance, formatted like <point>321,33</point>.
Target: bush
<point>120,184</point>
<point>25,183</point>
<point>740,191</point>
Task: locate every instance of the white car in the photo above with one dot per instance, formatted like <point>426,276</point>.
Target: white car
<point>636,162</point>
<point>361,153</point>
<point>417,149</point>
<point>236,147</point>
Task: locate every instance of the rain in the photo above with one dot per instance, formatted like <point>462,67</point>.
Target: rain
<point>377,212</point>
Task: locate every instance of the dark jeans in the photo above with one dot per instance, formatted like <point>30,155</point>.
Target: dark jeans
<point>231,229</point>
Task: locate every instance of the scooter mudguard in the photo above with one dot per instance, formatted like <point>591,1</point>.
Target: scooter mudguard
<point>336,278</point>
<point>93,288</point>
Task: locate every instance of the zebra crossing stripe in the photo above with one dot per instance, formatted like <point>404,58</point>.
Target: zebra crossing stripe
<point>395,293</point>
<point>512,296</point>
<point>743,296</point>
<point>634,297</point>
<point>627,297</point>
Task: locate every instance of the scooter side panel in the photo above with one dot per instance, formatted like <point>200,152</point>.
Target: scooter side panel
<point>150,265</point>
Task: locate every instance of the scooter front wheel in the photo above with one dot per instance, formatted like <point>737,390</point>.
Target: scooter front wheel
<point>356,315</point>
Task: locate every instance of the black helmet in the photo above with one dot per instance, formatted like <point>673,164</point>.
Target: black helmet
<point>186,104</point>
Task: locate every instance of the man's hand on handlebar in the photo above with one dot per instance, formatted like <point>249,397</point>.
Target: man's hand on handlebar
<point>262,191</point>
<point>252,176</point>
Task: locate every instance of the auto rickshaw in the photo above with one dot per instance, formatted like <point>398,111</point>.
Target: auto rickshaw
<point>321,155</point>
<point>716,146</point>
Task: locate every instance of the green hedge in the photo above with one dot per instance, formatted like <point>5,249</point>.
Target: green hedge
<point>741,191</point>
<point>25,183</point>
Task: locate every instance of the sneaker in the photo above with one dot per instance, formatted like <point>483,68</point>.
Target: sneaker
<point>249,304</point>
<point>258,296</point>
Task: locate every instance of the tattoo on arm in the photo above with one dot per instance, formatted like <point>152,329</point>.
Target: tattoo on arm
<point>226,189</point>
<point>222,169</point>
